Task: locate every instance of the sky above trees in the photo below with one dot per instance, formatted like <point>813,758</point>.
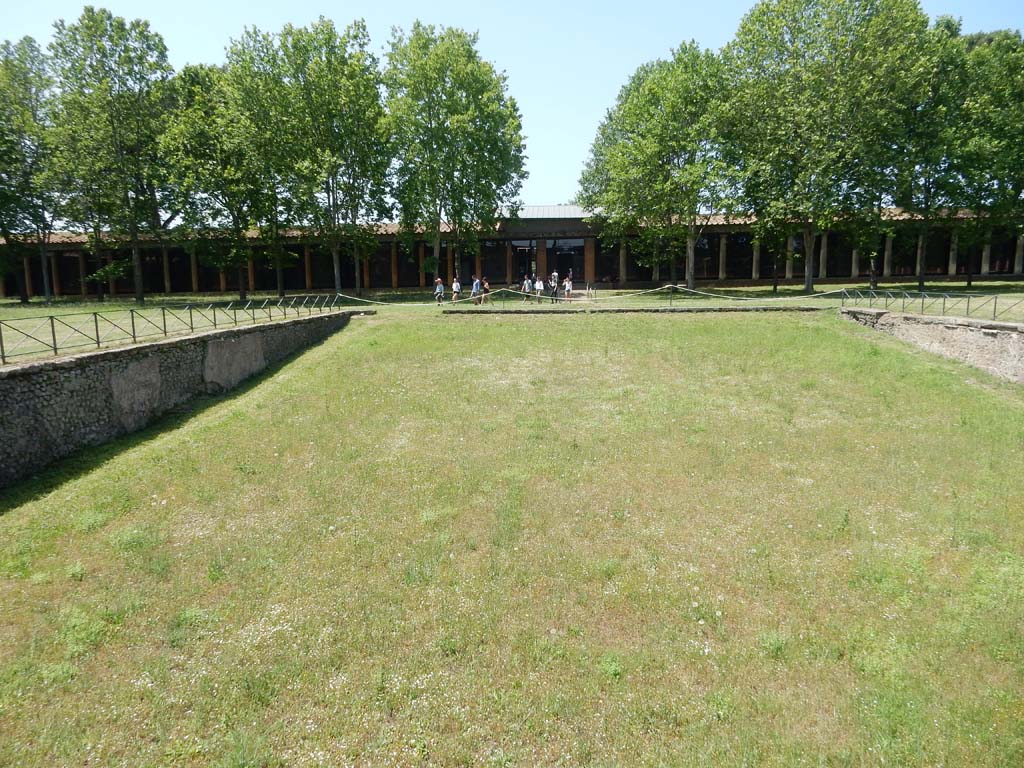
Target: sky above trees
<point>565,61</point>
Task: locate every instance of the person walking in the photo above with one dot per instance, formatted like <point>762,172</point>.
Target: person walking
<point>487,290</point>
<point>553,285</point>
<point>438,290</point>
<point>567,288</point>
<point>456,289</point>
<point>538,287</point>
<point>527,286</point>
<point>474,292</point>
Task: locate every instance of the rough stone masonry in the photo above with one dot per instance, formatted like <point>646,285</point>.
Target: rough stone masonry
<point>51,409</point>
<point>992,346</point>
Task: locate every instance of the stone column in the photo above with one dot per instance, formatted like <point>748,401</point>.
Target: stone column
<point>508,262</point>
<point>478,265</point>
<point>790,246</point>
<point>223,281</point>
<point>423,275</point>
<point>986,255</point>
<point>3,286</point>
<point>394,263</point>
<point>366,267</point>
<point>307,262</point>
<point>542,257</point>
<point>723,240</point>
<point>623,264</point>
<point>27,268</point>
<point>113,281</point>
<point>887,257</point>
<point>755,268</point>
<point>953,245</point>
<point>193,263</point>
<point>83,288</point>
<point>855,264</point>
<point>252,274</point>
<point>1018,256</point>
<point>589,259</point>
<point>166,258</point>
<point>823,258</point>
<point>55,273</point>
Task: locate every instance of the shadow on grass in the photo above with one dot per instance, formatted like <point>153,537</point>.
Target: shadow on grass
<point>87,459</point>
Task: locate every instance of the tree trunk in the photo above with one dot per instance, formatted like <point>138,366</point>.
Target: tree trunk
<point>242,282</point>
<point>672,271</point>
<point>920,260</point>
<point>46,272</point>
<point>140,288</point>
<point>279,270</point>
<point>656,271</point>
<point>691,255</point>
<point>437,253</point>
<point>19,281</point>
<point>874,272</point>
<point>808,260</point>
<point>166,261</point>
<point>622,264</point>
<point>336,260</point>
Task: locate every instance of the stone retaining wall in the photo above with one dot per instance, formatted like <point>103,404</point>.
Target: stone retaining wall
<point>992,346</point>
<point>53,408</point>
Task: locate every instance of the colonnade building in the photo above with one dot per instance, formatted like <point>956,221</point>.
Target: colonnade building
<point>540,240</point>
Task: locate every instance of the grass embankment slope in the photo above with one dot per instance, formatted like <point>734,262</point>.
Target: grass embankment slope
<point>584,540</point>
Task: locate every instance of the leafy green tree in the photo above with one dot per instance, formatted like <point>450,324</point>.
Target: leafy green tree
<point>27,200</point>
<point>339,134</point>
<point>214,169</point>
<point>822,89</point>
<point>991,162</point>
<point>112,76</point>
<point>656,166</point>
<point>929,181</point>
<point>459,143</point>
<point>259,101</point>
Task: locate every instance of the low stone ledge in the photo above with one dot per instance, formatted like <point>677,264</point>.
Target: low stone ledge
<point>629,310</point>
<point>993,346</point>
<point>50,409</point>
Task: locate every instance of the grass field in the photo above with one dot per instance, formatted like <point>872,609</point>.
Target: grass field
<point>583,540</point>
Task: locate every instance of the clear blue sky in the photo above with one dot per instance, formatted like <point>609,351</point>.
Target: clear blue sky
<point>565,59</point>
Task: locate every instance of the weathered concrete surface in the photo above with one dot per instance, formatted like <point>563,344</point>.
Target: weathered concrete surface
<point>50,409</point>
<point>992,346</point>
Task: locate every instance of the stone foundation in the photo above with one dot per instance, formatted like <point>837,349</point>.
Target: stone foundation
<point>992,346</point>
<point>51,409</point>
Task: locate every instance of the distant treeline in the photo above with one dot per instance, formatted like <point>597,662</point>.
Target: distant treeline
<point>98,134</point>
<point>820,114</point>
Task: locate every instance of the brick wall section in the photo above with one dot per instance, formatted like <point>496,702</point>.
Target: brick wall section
<point>992,346</point>
<point>50,409</point>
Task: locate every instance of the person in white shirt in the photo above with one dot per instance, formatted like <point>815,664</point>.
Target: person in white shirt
<point>538,287</point>
<point>456,289</point>
<point>553,284</point>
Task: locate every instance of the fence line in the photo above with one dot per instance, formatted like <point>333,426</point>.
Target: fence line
<point>53,334</point>
<point>959,304</point>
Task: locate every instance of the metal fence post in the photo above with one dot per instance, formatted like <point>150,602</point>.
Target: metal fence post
<point>995,303</point>
<point>131,312</point>
<point>191,325</point>
<point>53,334</point>
<point>96,325</point>
<point>968,306</point>
<point>3,352</point>
<point>163,316</point>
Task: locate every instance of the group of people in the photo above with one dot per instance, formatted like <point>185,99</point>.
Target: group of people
<point>533,286</point>
<point>480,293</point>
